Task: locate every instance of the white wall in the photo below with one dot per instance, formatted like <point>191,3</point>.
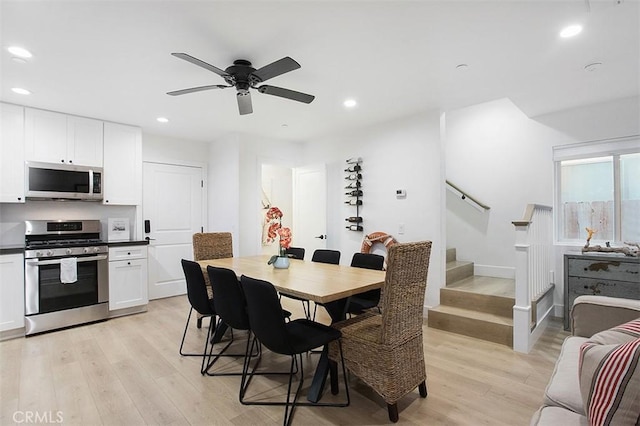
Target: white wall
<point>236,169</point>
<point>160,149</point>
<point>224,188</point>
<point>504,158</point>
<point>500,157</point>
<point>12,216</point>
<point>402,154</point>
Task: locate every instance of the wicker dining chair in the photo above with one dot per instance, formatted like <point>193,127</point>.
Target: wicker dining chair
<point>211,245</point>
<point>385,349</point>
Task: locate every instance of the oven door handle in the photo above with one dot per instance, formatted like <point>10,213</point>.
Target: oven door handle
<point>57,261</point>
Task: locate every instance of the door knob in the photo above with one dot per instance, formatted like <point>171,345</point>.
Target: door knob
<point>322,237</point>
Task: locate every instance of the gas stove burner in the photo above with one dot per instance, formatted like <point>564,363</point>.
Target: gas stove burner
<point>61,238</point>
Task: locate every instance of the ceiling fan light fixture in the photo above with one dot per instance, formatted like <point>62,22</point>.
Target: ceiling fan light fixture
<point>20,52</point>
<point>571,31</point>
<point>20,91</point>
<point>243,77</point>
<point>350,103</point>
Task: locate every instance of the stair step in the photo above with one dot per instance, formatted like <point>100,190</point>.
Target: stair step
<point>497,305</point>
<point>481,325</point>
<point>458,270</point>
<point>451,254</point>
<point>493,286</point>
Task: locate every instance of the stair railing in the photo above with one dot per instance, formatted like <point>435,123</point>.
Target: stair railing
<point>465,196</point>
<point>534,272</point>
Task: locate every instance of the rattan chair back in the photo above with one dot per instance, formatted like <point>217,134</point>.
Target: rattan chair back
<point>402,300</point>
<point>212,245</point>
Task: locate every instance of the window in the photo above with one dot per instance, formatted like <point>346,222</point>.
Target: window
<point>598,187</point>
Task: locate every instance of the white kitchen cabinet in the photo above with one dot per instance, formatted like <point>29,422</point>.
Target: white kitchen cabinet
<point>11,292</point>
<point>11,153</point>
<point>85,141</point>
<point>52,137</point>
<point>128,278</point>
<point>122,180</point>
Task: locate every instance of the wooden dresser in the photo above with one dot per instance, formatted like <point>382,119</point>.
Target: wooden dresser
<point>599,274</point>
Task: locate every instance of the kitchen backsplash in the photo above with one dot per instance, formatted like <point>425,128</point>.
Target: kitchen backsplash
<point>12,216</point>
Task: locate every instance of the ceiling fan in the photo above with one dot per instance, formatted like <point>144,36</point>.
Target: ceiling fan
<point>243,77</point>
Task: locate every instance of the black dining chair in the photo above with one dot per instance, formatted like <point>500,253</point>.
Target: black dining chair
<point>288,338</point>
<point>298,253</point>
<point>231,307</point>
<point>371,298</point>
<point>324,256</point>
<point>295,252</point>
<point>201,303</point>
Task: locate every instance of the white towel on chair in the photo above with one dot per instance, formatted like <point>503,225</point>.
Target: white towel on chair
<point>69,270</point>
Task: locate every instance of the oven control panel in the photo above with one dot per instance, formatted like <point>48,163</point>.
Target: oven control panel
<point>65,251</point>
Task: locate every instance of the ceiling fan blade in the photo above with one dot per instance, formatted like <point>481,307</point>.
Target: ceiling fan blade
<point>286,93</point>
<point>200,63</point>
<point>244,103</point>
<point>275,69</point>
<point>196,89</point>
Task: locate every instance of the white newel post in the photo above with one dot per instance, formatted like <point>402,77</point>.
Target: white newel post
<point>522,307</point>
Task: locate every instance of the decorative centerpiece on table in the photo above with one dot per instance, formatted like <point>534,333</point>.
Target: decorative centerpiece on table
<point>274,218</point>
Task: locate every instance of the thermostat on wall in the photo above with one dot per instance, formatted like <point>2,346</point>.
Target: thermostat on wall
<point>401,193</point>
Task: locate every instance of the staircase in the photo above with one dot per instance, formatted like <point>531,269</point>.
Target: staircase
<point>476,306</point>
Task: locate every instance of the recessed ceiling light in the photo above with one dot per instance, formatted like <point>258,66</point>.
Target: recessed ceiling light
<point>462,66</point>
<point>19,51</point>
<point>284,125</point>
<point>350,103</point>
<point>162,119</point>
<point>21,91</point>
<point>571,31</point>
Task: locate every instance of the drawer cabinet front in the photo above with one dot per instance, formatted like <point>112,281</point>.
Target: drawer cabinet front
<point>125,253</point>
<point>589,286</point>
<point>605,269</point>
<point>612,276</point>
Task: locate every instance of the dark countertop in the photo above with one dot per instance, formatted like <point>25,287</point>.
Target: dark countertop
<point>128,243</point>
<point>11,249</point>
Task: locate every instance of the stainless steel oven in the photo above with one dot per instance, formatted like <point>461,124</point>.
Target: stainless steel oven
<point>66,274</point>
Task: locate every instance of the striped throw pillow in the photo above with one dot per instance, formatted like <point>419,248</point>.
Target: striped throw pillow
<point>617,335</point>
<point>610,383</point>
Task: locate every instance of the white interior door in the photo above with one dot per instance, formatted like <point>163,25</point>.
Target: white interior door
<point>173,207</point>
<point>310,208</point>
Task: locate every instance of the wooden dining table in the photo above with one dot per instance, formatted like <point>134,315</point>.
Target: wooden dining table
<point>330,285</point>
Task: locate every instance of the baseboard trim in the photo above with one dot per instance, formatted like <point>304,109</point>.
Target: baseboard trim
<point>494,271</point>
<point>12,334</point>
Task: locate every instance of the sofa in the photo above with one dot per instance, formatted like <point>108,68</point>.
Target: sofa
<point>601,328</point>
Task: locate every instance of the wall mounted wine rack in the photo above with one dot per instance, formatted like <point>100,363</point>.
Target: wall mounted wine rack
<point>353,187</point>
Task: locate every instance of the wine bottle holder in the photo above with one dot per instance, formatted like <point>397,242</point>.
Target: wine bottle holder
<point>353,192</point>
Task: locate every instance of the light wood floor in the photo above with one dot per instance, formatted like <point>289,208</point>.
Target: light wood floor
<point>127,371</point>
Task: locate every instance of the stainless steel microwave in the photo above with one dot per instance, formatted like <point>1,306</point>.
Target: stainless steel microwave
<point>46,181</point>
